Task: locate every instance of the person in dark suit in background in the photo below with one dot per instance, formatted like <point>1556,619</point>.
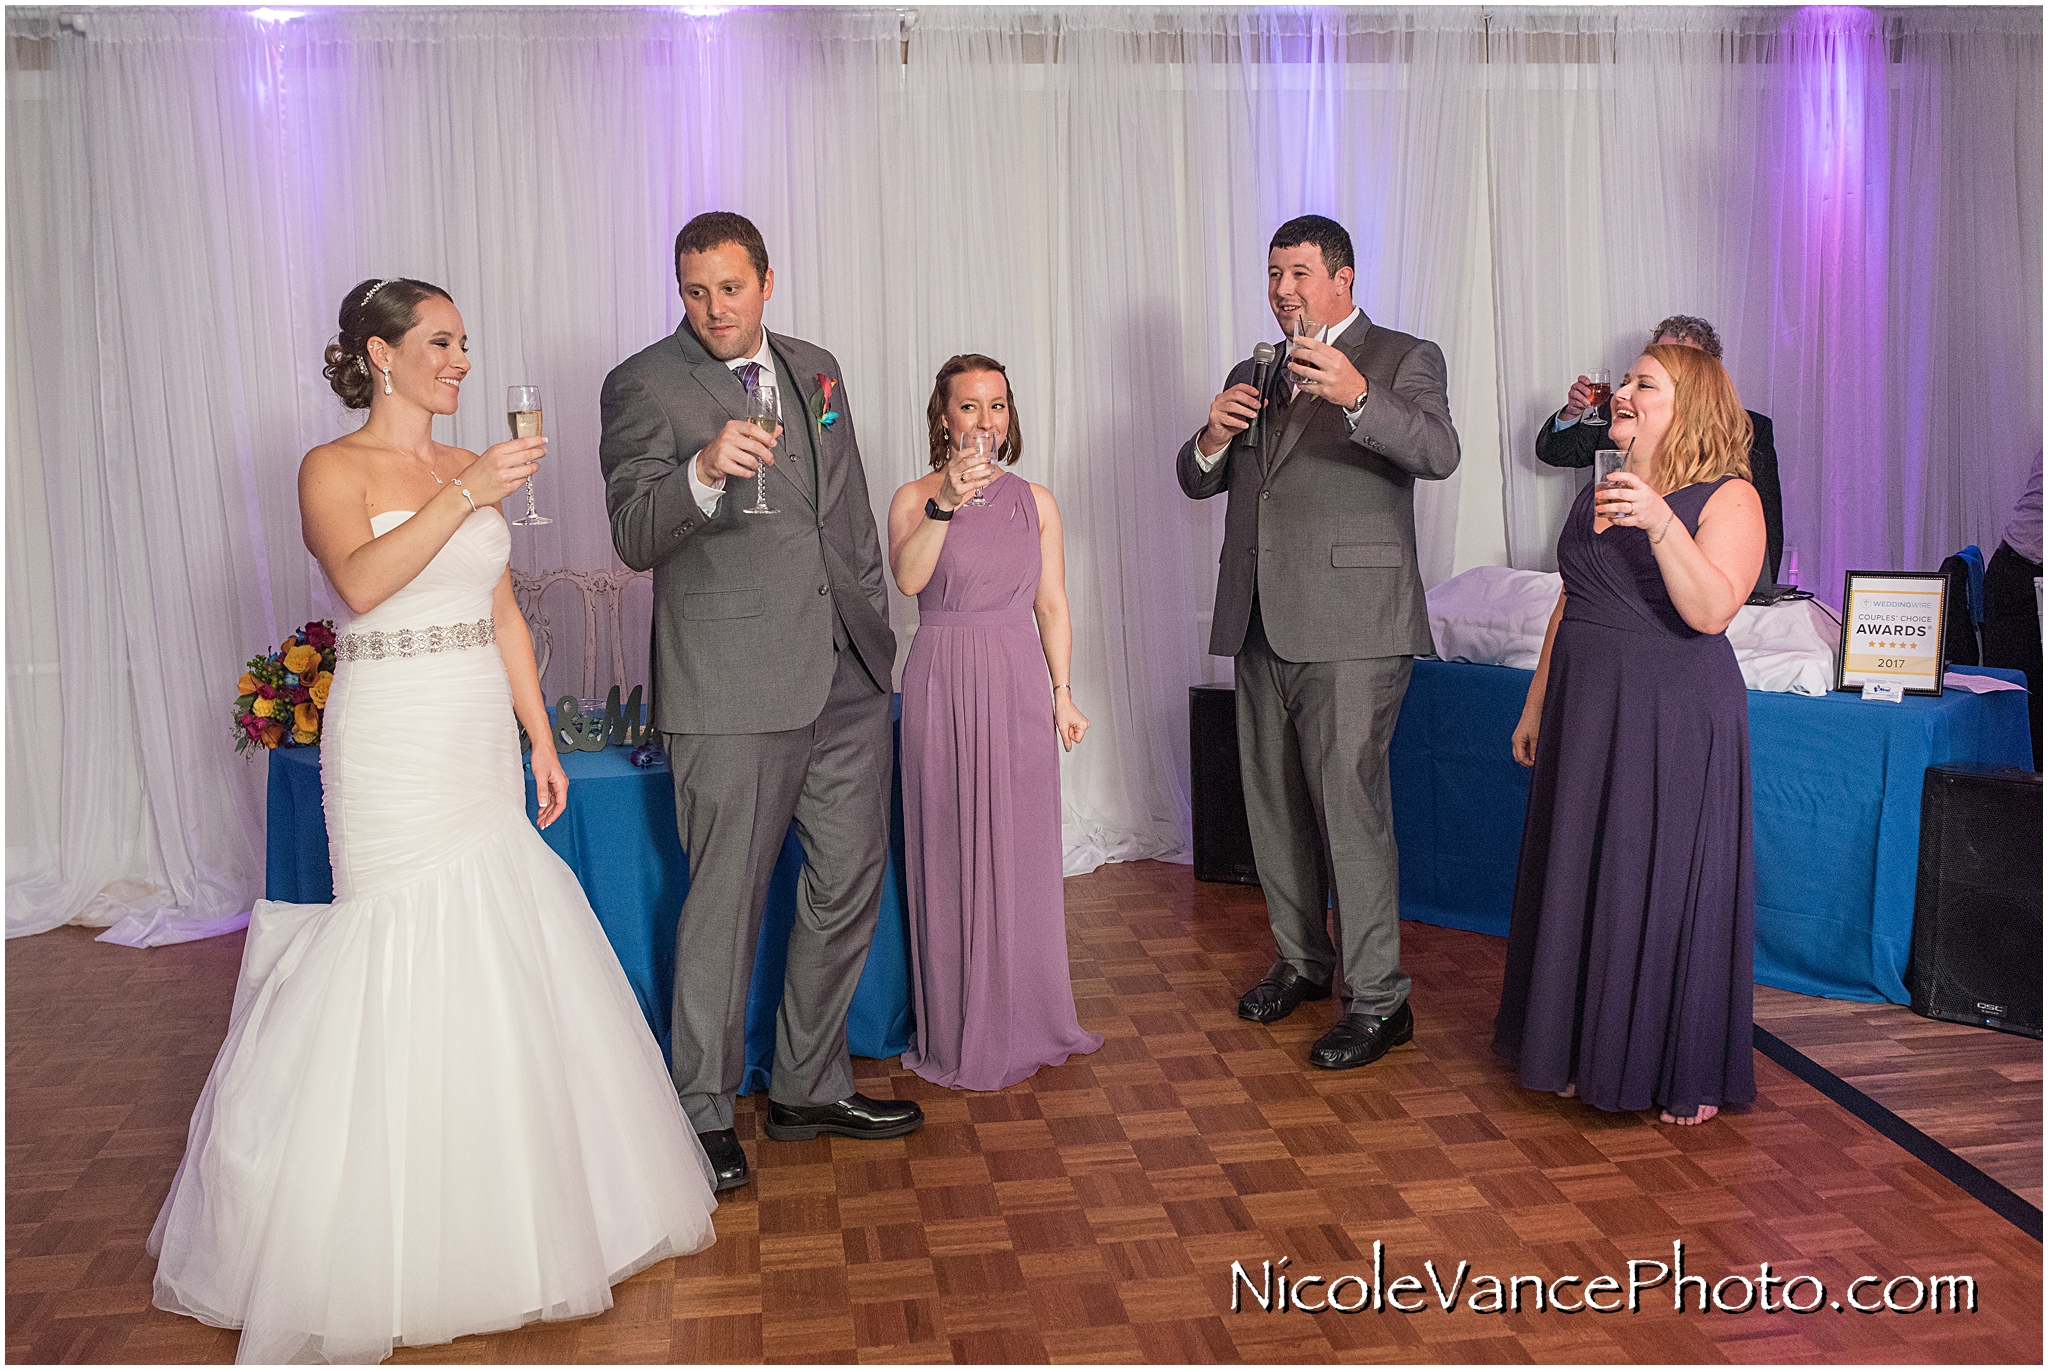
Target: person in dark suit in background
<point>2012,622</point>
<point>1564,440</point>
<point>1319,599</point>
<point>771,665</point>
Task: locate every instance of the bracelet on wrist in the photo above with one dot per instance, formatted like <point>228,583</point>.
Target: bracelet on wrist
<point>456,481</point>
<point>1057,688</point>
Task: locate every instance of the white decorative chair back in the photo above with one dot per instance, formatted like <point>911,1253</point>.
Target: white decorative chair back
<point>602,594</point>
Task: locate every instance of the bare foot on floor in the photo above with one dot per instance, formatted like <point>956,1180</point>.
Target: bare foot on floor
<point>1706,1111</point>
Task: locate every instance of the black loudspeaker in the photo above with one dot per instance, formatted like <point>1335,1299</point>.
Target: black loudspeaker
<point>1977,910</point>
<point>1959,646</point>
<point>1223,840</point>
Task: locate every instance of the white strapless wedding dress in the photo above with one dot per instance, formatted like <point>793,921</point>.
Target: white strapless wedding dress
<point>438,1109</point>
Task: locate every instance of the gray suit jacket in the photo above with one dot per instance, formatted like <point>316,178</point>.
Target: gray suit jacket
<point>1321,520</point>
<point>746,606</point>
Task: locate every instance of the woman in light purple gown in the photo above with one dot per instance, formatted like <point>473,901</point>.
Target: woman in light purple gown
<point>981,786</point>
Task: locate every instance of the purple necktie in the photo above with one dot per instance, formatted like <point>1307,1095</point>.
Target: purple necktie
<point>750,376</point>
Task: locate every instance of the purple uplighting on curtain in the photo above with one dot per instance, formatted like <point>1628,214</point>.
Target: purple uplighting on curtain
<point>1830,300</point>
<point>1852,195</point>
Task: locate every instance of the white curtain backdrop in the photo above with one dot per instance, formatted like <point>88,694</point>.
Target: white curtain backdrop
<point>1084,194</point>
<point>1852,197</point>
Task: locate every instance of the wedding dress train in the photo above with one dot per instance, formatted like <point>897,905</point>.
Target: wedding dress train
<point>438,1109</point>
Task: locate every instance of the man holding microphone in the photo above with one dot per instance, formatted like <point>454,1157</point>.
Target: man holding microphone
<point>1319,600</point>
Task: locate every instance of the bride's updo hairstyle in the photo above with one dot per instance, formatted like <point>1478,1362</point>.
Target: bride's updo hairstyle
<point>385,309</point>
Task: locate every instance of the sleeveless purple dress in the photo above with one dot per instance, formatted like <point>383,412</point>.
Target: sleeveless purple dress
<point>1629,968</point>
<point>981,812</point>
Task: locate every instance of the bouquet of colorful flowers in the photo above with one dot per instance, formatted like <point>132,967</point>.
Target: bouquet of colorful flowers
<point>282,694</point>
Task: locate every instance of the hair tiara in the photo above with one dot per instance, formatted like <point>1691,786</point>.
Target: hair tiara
<point>373,294</point>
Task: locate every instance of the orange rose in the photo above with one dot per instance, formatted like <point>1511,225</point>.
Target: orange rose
<point>246,685</point>
<point>320,686</point>
<point>306,719</point>
<point>273,733</point>
<point>302,659</point>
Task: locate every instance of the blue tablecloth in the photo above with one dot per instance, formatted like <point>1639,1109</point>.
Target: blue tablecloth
<point>1836,796</point>
<point>619,836</point>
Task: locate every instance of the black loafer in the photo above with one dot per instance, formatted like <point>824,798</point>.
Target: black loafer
<point>727,1160</point>
<point>854,1116</point>
<point>1283,991</point>
<point>1359,1039</point>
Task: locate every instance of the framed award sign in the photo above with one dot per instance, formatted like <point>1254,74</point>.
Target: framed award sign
<point>1891,630</point>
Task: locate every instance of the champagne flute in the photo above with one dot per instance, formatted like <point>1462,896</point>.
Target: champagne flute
<point>764,411</point>
<point>523,412</point>
<point>975,440</point>
<point>1603,393</point>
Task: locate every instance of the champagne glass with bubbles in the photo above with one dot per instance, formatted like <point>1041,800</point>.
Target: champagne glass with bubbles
<point>764,411</point>
<point>975,440</point>
<point>523,412</point>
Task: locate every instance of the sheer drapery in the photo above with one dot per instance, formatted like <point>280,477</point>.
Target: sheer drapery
<point>190,193</point>
<point>1090,195</point>
<point>1084,194</point>
<point>1853,198</point>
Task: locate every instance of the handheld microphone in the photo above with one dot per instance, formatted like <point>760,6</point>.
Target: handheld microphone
<point>1262,361</point>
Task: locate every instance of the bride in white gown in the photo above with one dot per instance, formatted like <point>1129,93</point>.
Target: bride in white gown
<point>438,1110</point>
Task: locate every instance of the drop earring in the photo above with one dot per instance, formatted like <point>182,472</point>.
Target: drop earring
<point>387,380</point>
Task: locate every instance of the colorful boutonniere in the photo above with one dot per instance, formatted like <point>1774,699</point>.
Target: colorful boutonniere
<point>822,412</point>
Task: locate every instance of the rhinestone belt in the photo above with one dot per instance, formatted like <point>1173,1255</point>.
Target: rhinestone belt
<point>375,646</point>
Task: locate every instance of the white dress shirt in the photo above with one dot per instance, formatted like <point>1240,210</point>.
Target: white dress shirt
<point>707,495</point>
<point>2023,529</point>
<point>1208,463</point>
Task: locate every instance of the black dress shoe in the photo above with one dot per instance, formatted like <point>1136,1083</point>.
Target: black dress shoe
<point>727,1160</point>
<point>1283,991</point>
<point>1359,1039</point>
<point>854,1116</point>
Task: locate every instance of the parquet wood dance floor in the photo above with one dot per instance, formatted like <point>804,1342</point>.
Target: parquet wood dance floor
<point>1094,1212</point>
<point>1976,1092</point>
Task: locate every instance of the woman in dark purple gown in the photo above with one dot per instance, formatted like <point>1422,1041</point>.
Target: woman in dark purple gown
<point>990,986</point>
<point>1629,955</point>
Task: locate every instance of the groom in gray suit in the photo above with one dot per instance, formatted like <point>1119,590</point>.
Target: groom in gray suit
<point>771,670</point>
<point>1320,601</point>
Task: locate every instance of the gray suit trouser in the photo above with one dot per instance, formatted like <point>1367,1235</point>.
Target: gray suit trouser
<point>735,797</point>
<point>1312,740</point>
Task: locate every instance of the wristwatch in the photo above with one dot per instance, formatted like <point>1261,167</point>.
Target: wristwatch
<point>932,511</point>
<point>1352,415</point>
